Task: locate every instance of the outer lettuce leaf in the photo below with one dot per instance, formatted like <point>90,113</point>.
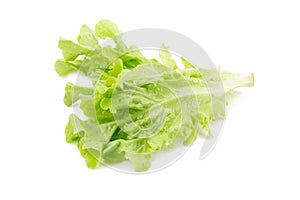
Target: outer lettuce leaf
<point>105,28</point>
<point>73,133</point>
<point>87,38</point>
<point>70,50</point>
<point>63,68</point>
<point>73,93</point>
<point>90,137</point>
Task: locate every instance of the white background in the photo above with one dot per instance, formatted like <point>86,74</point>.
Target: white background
<point>258,154</point>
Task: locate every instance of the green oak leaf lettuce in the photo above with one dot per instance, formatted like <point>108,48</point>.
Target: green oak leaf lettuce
<point>137,106</point>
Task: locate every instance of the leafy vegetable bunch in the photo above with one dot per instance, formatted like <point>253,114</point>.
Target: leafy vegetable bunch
<point>137,106</point>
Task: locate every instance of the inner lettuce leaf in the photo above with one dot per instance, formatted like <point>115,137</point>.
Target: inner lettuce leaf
<point>137,106</point>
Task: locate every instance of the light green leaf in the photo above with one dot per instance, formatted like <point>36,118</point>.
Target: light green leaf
<point>70,50</point>
<point>64,68</point>
<point>87,38</point>
<point>106,28</point>
<point>72,132</point>
<point>73,93</point>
